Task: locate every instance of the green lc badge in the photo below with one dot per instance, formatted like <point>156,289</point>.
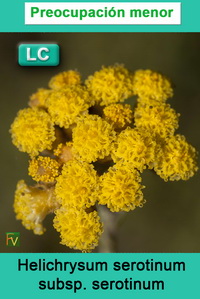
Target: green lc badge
<point>38,54</point>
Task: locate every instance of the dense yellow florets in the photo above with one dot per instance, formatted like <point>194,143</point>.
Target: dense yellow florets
<point>39,98</point>
<point>134,148</point>
<point>110,85</point>
<point>91,155</point>
<point>78,229</point>
<point>32,131</point>
<point>92,138</point>
<point>66,105</point>
<point>44,169</point>
<point>77,185</point>
<point>151,86</point>
<point>118,115</point>
<point>160,120</point>
<point>32,204</point>
<point>64,79</point>
<point>176,160</point>
<point>121,189</point>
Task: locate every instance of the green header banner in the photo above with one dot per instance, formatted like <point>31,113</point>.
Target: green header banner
<point>141,275</point>
<point>100,16</point>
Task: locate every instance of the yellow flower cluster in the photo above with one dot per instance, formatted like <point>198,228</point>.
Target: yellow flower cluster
<point>151,86</point>
<point>39,98</point>
<point>67,104</point>
<point>159,120</point>
<point>44,169</point>
<point>92,138</point>
<point>118,115</point>
<point>32,204</point>
<point>65,79</point>
<point>134,148</point>
<point>120,189</point>
<point>78,229</point>
<point>32,131</point>
<point>176,159</point>
<point>77,184</point>
<point>84,155</point>
<point>76,191</point>
<point>110,85</point>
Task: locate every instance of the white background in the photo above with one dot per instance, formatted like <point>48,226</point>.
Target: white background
<point>127,20</point>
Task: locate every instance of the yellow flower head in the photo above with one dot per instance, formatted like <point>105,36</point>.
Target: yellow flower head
<point>151,86</point>
<point>32,131</point>
<point>39,98</point>
<point>66,105</point>
<point>78,229</point>
<point>134,148</point>
<point>176,160</point>
<point>110,85</point>
<point>92,138</point>
<point>121,189</point>
<point>64,79</point>
<point>160,120</point>
<point>118,115</point>
<point>31,206</point>
<point>44,169</point>
<point>77,184</point>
